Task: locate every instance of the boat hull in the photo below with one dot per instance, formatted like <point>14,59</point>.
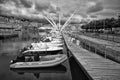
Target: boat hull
<point>58,59</point>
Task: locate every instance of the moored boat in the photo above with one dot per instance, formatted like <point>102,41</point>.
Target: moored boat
<point>46,50</point>
<point>55,69</point>
<point>36,61</point>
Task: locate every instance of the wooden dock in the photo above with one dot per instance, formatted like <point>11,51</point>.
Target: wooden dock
<point>107,48</point>
<point>96,66</point>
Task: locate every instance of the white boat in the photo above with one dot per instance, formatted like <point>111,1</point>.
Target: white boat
<point>44,49</point>
<point>46,44</point>
<point>56,41</point>
<point>45,61</point>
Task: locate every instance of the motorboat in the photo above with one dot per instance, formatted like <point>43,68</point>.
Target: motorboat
<point>43,54</point>
<point>44,47</point>
<point>46,50</point>
<point>37,61</point>
<point>33,58</point>
<point>48,55</point>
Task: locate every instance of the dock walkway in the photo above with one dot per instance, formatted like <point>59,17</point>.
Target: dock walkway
<point>109,44</point>
<point>108,48</point>
<point>96,66</point>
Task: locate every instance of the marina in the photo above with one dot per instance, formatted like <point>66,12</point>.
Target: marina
<point>59,40</point>
<point>65,71</point>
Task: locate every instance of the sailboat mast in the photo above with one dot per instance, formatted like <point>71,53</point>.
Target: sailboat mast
<point>49,21</point>
<point>59,16</point>
<point>66,23</point>
<point>59,21</point>
<point>53,21</point>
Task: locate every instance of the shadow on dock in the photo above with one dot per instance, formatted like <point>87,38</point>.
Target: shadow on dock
<point>77,70</point>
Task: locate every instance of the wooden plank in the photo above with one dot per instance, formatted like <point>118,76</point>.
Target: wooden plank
<point>97,67</point>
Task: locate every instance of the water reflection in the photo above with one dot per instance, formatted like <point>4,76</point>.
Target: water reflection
<point>60,69</point>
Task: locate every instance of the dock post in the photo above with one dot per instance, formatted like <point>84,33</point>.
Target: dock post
<point>78,42</point>
<point>105,52</point>
<point>71,39</point>
<point>89,46</point>
<point>95,50</point>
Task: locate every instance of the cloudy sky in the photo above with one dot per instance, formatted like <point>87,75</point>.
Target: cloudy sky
<point>38,8</point>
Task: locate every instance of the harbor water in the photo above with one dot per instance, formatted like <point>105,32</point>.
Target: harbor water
<point>69,70</point>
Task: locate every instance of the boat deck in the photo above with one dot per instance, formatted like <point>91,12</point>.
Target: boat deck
<point>97,67</point>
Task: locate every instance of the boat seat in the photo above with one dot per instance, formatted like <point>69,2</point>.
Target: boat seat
<point>36,57</point>
<point>29,59</point>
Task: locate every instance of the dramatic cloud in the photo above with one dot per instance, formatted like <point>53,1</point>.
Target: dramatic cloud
<point>42,6</point>
<point>37,8</point>
<point>1,1</point>
<point>27,8</point>
<point>26,3</point>
<point>107,13</point>
<point>95,7</point>
<point>93,16</point>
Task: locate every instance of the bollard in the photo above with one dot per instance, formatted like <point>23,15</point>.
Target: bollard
<point>89,46</point>
<point>105,55</point>
<point>78,42</point>
<point>72,40</point>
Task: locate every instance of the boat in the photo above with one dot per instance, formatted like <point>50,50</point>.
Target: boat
<point>36,61</point>
<point>55,69</point>
<point>46,44</point>
<point>45,50</point>
<point>44,47</point>
<point>48,53</point>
